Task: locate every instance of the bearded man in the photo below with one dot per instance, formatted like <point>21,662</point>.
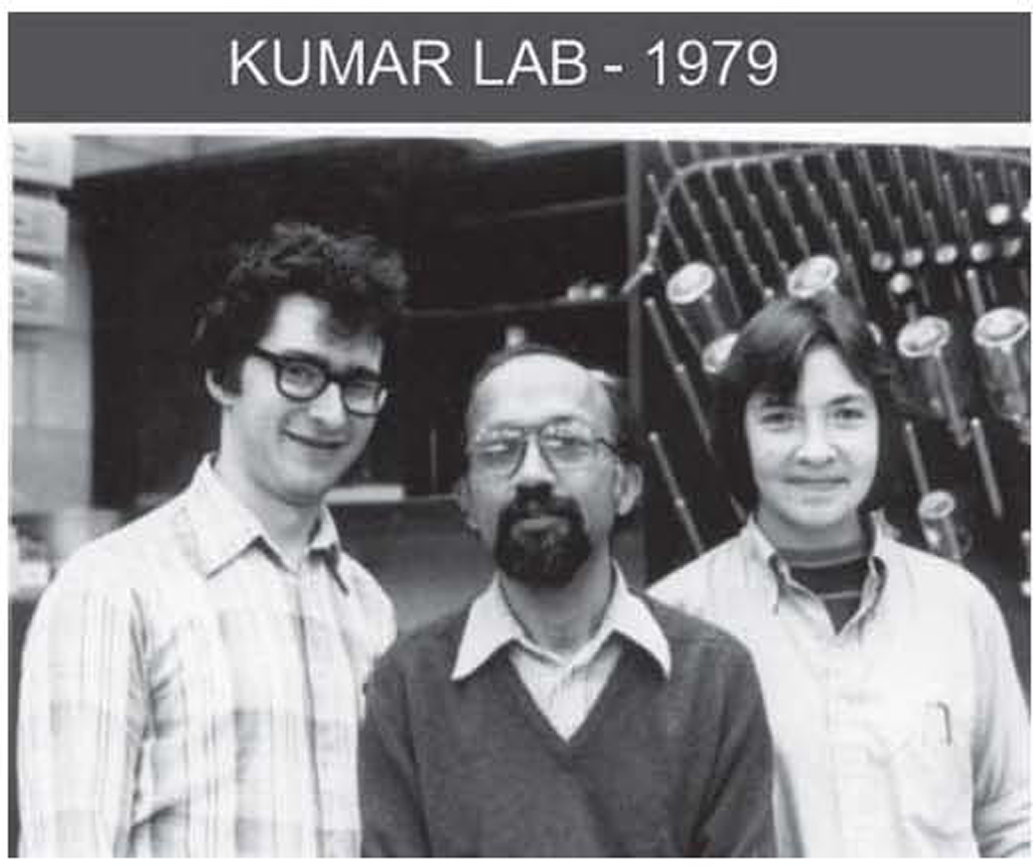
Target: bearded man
<point>561,713</point>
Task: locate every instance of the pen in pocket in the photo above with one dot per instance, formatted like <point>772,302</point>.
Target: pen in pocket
<point>942,711</point>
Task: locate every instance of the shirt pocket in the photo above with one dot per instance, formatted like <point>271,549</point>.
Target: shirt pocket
<point>929,764</point>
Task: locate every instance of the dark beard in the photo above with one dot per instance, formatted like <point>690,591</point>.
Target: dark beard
<point>546,559</point>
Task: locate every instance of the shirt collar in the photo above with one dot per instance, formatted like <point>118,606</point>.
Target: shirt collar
<point>491,626</point>
<point>884,534</point>
<point>775,574</point>
<point>224,527</point>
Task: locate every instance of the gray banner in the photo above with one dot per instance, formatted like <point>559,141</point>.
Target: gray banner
<point>562,67</point>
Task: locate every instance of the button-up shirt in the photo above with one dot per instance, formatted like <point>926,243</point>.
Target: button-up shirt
<point>564,688</point>
<point>186,692</point>
<point>904,734</point>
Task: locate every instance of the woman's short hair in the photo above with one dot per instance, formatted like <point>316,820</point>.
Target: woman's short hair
<point>769,355</point>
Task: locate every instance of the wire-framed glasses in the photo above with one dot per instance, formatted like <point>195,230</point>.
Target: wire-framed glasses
<point>565,444</point>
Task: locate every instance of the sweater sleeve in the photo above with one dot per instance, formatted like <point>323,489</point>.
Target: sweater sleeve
<point>736,819</point>
<point>392,815</point>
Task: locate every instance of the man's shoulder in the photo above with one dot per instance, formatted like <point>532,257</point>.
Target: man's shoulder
<point>428,650</point>
<point>138,541</point>
<point>708,664</point>
<point>686,631</point>
<point>112,575</point>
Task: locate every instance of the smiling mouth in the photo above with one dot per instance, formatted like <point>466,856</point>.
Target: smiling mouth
<point>318,444</point>
<point>818,483</point>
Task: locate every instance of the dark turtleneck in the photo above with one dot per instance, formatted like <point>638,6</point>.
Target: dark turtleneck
<point>836,575</point>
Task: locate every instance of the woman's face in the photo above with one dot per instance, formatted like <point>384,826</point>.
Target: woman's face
<point>814,455</point>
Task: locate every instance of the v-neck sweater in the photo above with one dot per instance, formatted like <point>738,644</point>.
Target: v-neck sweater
<point>661,766</point>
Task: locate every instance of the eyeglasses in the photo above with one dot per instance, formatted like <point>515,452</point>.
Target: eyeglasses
<point>565,445</point>
<point>302,379</point>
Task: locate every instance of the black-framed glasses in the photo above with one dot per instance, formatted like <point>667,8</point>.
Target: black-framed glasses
<point>301,379</point>
<point>565,444</point>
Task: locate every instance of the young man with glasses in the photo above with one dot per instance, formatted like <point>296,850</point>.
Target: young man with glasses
<point>193,682</point>
<point>561,713</point>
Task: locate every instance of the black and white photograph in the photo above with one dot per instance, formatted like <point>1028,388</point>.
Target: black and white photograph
<point>690,475</point>
<point>502,490</point>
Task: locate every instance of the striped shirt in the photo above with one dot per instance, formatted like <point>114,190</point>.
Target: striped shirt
<point>836,575</point>
<point>565,688</point>
<point>903,734</point>
<point>186,693</point>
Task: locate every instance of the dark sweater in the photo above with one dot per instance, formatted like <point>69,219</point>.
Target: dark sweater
<point>660,767</point>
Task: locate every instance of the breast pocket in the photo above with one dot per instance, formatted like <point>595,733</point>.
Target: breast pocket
<point>928,761</point>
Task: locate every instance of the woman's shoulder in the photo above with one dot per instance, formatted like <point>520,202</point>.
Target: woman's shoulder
<point>689,582</point>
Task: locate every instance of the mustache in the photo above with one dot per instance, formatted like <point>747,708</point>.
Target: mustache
<point>542,560</point>
<point>538,503</point>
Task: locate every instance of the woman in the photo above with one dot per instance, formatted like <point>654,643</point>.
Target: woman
<point>898,721</point>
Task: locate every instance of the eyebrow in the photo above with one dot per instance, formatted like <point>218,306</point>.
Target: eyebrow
<point>319,361</point>
<point>557,419</point>
<point>774,400</point>
<point>859,397</point>
<point>504,426</point>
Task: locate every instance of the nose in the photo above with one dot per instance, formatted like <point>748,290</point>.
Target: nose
<point>533,468</point>
<point>328,408</point>
<point>816,448</point>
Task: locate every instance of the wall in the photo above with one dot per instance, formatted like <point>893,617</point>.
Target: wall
<point>52,367</point>
<point>52,399</point>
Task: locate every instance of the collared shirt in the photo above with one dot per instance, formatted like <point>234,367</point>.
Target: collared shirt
<point>564,687</point>
<point>904,734</point>
<point>186,693</point>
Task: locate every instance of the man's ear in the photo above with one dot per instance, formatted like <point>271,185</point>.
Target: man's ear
<point>627,487</point>
<point>462,494</point>
<point>219,394</point>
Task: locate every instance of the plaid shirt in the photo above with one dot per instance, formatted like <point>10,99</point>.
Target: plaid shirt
<point>185,693</point>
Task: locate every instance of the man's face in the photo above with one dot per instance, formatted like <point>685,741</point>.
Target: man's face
<point>548,513</point>
<point>814,456</point>
<point>278,450</point>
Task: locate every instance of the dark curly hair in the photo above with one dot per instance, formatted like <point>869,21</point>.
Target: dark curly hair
<point>362,280</point>
<point>769,355</point>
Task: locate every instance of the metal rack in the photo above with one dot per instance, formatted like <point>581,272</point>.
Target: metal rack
<point>932,243</point>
